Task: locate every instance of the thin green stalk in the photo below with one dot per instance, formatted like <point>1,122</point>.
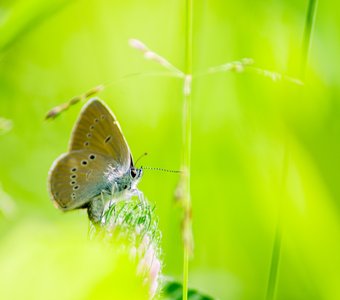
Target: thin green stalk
<point>309,25</point>
<point>186,201</point>
<point>274,269</point>
<point>276,252</point>
<point>188,38</point>
<point>185,273</point>
<point>187,231</point>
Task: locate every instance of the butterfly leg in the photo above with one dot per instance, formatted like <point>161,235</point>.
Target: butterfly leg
<point>140,195</point>
<point>114,189</point>
<point>113,194</point>
<point>95,209</point>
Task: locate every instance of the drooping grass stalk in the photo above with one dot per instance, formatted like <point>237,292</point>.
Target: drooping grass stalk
<point>246,65</point>
<point>276,252</point>
<point>186,163</point>
<point>57,110</point>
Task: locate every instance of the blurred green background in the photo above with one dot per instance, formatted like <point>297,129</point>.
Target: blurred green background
<point>256,143</point>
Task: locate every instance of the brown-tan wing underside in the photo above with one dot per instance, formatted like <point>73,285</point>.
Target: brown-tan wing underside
<point>76,177</point>
<point>97,129</point>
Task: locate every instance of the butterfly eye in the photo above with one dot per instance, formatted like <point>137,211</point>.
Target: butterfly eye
<point>133,173</point>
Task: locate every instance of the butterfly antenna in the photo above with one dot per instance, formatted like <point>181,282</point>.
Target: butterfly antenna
<point>139,158</point>
<point>161,169</point>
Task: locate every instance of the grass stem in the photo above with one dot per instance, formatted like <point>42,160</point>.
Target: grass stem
<point>309,25</point>
<point>276,252</point>
<point>186,201</point>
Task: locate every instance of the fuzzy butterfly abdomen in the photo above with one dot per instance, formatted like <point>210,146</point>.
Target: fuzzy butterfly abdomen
<point>77,177</point>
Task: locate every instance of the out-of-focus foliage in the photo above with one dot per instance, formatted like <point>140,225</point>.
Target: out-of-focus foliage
<point>243,123</point>
<point>5,125</point>
<point>53,262</point>
<point>7,206</point>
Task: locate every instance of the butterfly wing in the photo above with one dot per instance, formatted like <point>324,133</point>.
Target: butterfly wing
<point>97,129</point>
<point>77,177</point>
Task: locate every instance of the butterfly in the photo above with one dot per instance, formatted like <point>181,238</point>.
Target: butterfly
<point>99,162</point>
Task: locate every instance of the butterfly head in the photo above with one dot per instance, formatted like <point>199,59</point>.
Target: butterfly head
<point>135,176</point>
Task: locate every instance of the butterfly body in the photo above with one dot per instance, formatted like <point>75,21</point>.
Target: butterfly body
<point>118,182</point>
<point>98,163</point>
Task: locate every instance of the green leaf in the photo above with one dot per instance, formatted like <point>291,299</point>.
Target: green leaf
<point>172,290</point>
